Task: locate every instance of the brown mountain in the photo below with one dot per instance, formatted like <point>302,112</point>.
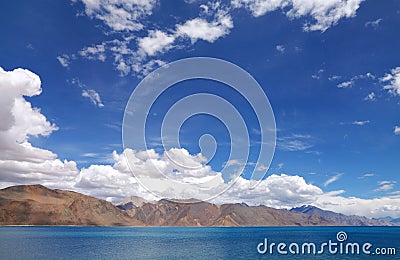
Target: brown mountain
<point>168,213</point>
<point>38,205</point>
<point>131,202</point>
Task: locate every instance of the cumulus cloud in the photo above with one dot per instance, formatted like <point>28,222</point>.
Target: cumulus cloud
<point>155,42</point>
<point>392,80</point>
<point>20,162</point>
<point>200,29</point>
<point>323,13</point>
<point>117,182</point>
<point>373,208</point>
<point>121,15</point>
<point>278,191</point>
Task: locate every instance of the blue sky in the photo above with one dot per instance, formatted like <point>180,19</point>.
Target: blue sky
<point>331,80</point>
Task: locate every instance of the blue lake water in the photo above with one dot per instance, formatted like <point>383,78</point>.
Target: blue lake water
<point>194,243</point>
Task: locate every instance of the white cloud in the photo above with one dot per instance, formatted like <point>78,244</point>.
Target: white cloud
<point>318,74</point>
<point>367,175</point>
<point>374,24</point>
<point>385,186</point>
<point>280,48</point>
<point>155,42</point>
<point>324,13</point>
<point>334,77</point>
<point>213,22</point>
<point>64,60</point>
<point>93,96</point>
<point>367,75</point>
<point>123,55</point>
<point>396,130</point>
<point>262,167</point>
<point>345,84</point>
<point>332,179</point>
<point>90,155</point>
<point>20,162</point>
<point>127,60</point>
<point>200,29</point>
<point>373,208</point>
<point>294,142</point>
<point>260,7</point>
<point>77,82</point>
<point>233,163</point>
<point>392,80</point>
<point>120,15</point>
<point>95,52</point>
<point>370,97</point>
<point>279,191</point>
<point>361,123</point>
<point>354,79</point>
<point>146,68</point>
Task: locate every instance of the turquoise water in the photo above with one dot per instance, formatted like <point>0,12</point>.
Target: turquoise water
<point>187,242</point>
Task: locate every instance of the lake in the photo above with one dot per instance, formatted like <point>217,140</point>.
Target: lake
<point>199,243</point>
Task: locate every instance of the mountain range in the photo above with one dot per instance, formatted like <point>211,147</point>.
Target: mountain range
<point>341,218</point>
<point>38,205</point>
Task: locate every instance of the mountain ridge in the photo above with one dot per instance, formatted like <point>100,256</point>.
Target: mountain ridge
<point>38,205</point>
<point>352,220</point>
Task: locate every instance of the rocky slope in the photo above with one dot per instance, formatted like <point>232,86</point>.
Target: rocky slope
<point>132,202</point>
<point>38,205</point>
<point>168,213</point>
<point>341,218</point>
<point>392,220</point>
